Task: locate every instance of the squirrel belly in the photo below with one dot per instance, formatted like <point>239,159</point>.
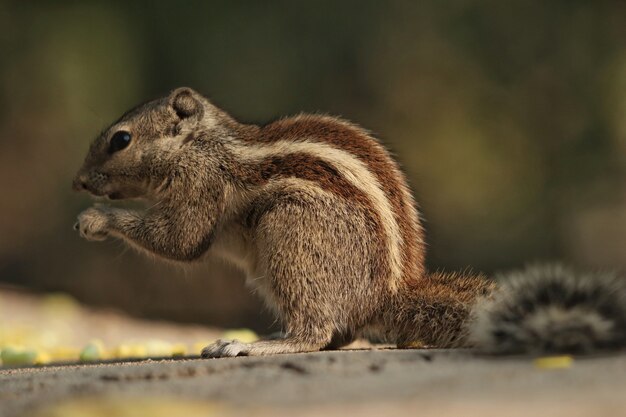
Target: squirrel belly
<point>320,216</point>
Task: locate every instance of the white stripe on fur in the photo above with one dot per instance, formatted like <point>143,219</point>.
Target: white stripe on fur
<point>353,170</point>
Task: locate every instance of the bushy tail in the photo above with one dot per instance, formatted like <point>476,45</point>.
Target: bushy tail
<point>551,309</point>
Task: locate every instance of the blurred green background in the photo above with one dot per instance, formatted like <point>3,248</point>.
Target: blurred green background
<point>508,117</point>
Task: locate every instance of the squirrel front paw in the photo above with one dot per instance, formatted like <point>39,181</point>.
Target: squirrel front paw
<point>93,223</point>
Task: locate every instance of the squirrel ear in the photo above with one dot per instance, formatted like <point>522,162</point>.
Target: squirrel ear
<point>185,103</point>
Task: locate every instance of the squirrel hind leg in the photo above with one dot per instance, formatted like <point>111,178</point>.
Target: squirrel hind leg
<point>551,309</point>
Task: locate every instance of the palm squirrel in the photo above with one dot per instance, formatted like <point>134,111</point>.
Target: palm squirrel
<point>319,217</point>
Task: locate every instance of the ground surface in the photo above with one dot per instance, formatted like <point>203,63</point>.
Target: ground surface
<point>369,382</point>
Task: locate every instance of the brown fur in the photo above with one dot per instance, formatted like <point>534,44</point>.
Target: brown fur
<point>356,141</point>
<point>436,312</point>
<point>326,177</point>
<point>311,232</point>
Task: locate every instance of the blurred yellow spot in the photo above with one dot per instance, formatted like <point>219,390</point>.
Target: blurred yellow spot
<point>49,338</point>
<point>58,304</point>
<point>130,351</point>
<point>132,407</point>
<point>42,358</point>
<point>554,362</point>
<point>17,335</point>
<point>64,353</point>
<point>198,346</point>
<point>243,335</point>
<point>158,348</point>
<point>179,349</point>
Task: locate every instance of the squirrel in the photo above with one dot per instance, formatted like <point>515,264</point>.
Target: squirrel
<point>319,216</point>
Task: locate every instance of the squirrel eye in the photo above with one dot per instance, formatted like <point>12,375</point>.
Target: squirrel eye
<point>119,141</point>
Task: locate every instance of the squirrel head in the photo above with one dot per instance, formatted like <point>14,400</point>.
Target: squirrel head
<point>135,155</point>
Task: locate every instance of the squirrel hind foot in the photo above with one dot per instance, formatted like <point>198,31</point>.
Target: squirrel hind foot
<point>231,348</point>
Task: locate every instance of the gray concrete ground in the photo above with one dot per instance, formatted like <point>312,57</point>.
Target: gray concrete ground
<point>368,382</point>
